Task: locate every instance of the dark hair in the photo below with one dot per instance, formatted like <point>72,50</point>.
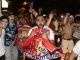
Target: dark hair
<point>10,13</point>
<point>3,17</point>
<point>77,18</point>
<point>38,16</point>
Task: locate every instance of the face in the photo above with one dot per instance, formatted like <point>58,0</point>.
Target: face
<point>40,21</point>
<point>23,21</point>
<point>4,23</point>
<point>11,18</point>
<point>70,19</point>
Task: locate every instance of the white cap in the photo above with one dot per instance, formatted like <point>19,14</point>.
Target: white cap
<point>72,17</point>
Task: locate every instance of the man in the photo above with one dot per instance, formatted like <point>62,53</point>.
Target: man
<point>23,29</point>
<point>67,39</point>
<point>11,31</point>
<point>39,36</point>
<point>76,52</point>
<point>3,24</point>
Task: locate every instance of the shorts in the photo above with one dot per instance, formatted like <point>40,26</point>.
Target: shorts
<point>67,45</point>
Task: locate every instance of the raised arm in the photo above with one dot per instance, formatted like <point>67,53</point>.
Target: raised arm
<point>33,12</point>
<point>65,18</point>
<point>49,20</point>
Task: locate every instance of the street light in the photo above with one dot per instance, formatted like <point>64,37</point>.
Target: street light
<point>4,5</point>
<point>25,3</point>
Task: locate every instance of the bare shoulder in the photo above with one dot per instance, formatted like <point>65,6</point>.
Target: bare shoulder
<point>76,24</point>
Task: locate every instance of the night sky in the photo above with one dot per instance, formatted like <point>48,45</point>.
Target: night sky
<point>47,5</point>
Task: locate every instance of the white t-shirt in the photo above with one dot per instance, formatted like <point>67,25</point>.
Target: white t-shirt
<point>2,46</point>
<point>51,33</point>
<point>76,49</point>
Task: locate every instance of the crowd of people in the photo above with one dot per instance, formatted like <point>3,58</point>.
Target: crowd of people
<point>33,35</point>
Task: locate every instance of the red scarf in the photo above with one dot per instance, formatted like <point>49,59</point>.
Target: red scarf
<point>31,43</point>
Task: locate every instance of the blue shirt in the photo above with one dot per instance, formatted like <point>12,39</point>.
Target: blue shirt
<point>11,31</point>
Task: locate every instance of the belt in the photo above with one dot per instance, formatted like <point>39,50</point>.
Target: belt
<point>67,39</point>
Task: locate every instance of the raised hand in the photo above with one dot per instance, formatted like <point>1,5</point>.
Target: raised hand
<point>51,15</point>
<point>49,20</point>
<point>68,14</point>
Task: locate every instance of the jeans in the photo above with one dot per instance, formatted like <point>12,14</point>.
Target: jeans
<point>11,53</point>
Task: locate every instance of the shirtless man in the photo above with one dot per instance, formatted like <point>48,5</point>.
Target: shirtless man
<point>67,31</point>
